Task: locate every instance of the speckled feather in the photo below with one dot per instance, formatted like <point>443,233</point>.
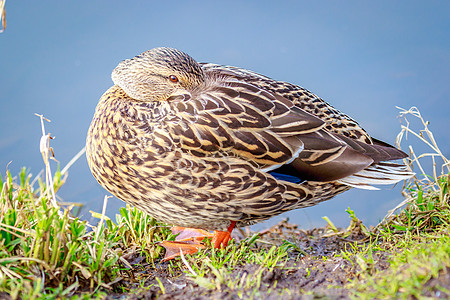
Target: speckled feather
<point>197,152</point>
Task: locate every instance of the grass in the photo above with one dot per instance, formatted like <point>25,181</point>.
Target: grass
<point>415,262</point>
<point>417,239</point>
<point>417,242</point>
<point>43,250</point>
<point>45,253</point>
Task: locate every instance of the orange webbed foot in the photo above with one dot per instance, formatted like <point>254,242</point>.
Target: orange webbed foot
<point>175,248</point>
<point>220,239</point>
<point>189,240</point>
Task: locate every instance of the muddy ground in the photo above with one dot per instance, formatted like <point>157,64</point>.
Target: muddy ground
<point>306,274</point>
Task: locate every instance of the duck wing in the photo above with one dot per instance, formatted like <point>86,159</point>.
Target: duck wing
<point>268,130</point>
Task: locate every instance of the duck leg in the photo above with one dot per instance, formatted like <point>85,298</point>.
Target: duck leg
<point>189,240</point>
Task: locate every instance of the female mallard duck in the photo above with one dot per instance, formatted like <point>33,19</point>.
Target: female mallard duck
<point>210,147</point>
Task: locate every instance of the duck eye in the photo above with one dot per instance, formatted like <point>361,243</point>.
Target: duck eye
<point>173,78</point>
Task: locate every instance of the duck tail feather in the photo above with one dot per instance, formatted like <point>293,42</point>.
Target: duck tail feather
<point>378,174</point>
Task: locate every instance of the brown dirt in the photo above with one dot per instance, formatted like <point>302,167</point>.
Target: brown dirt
<point>306,272</point>
<point>431,288</point>
<point>316,273</point>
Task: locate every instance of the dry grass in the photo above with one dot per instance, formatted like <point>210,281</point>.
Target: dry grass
<point>2,15</point>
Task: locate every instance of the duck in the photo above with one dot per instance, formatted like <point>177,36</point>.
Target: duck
<point>208,147</point>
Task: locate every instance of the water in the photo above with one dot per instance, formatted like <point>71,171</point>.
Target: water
<point>366,58</point>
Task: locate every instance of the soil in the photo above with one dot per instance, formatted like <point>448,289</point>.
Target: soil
<point>315,273</point>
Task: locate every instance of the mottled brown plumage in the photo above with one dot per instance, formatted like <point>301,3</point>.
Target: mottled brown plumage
<point>198,145</point>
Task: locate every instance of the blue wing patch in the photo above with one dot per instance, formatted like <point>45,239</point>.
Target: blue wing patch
<point>286,177</point>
